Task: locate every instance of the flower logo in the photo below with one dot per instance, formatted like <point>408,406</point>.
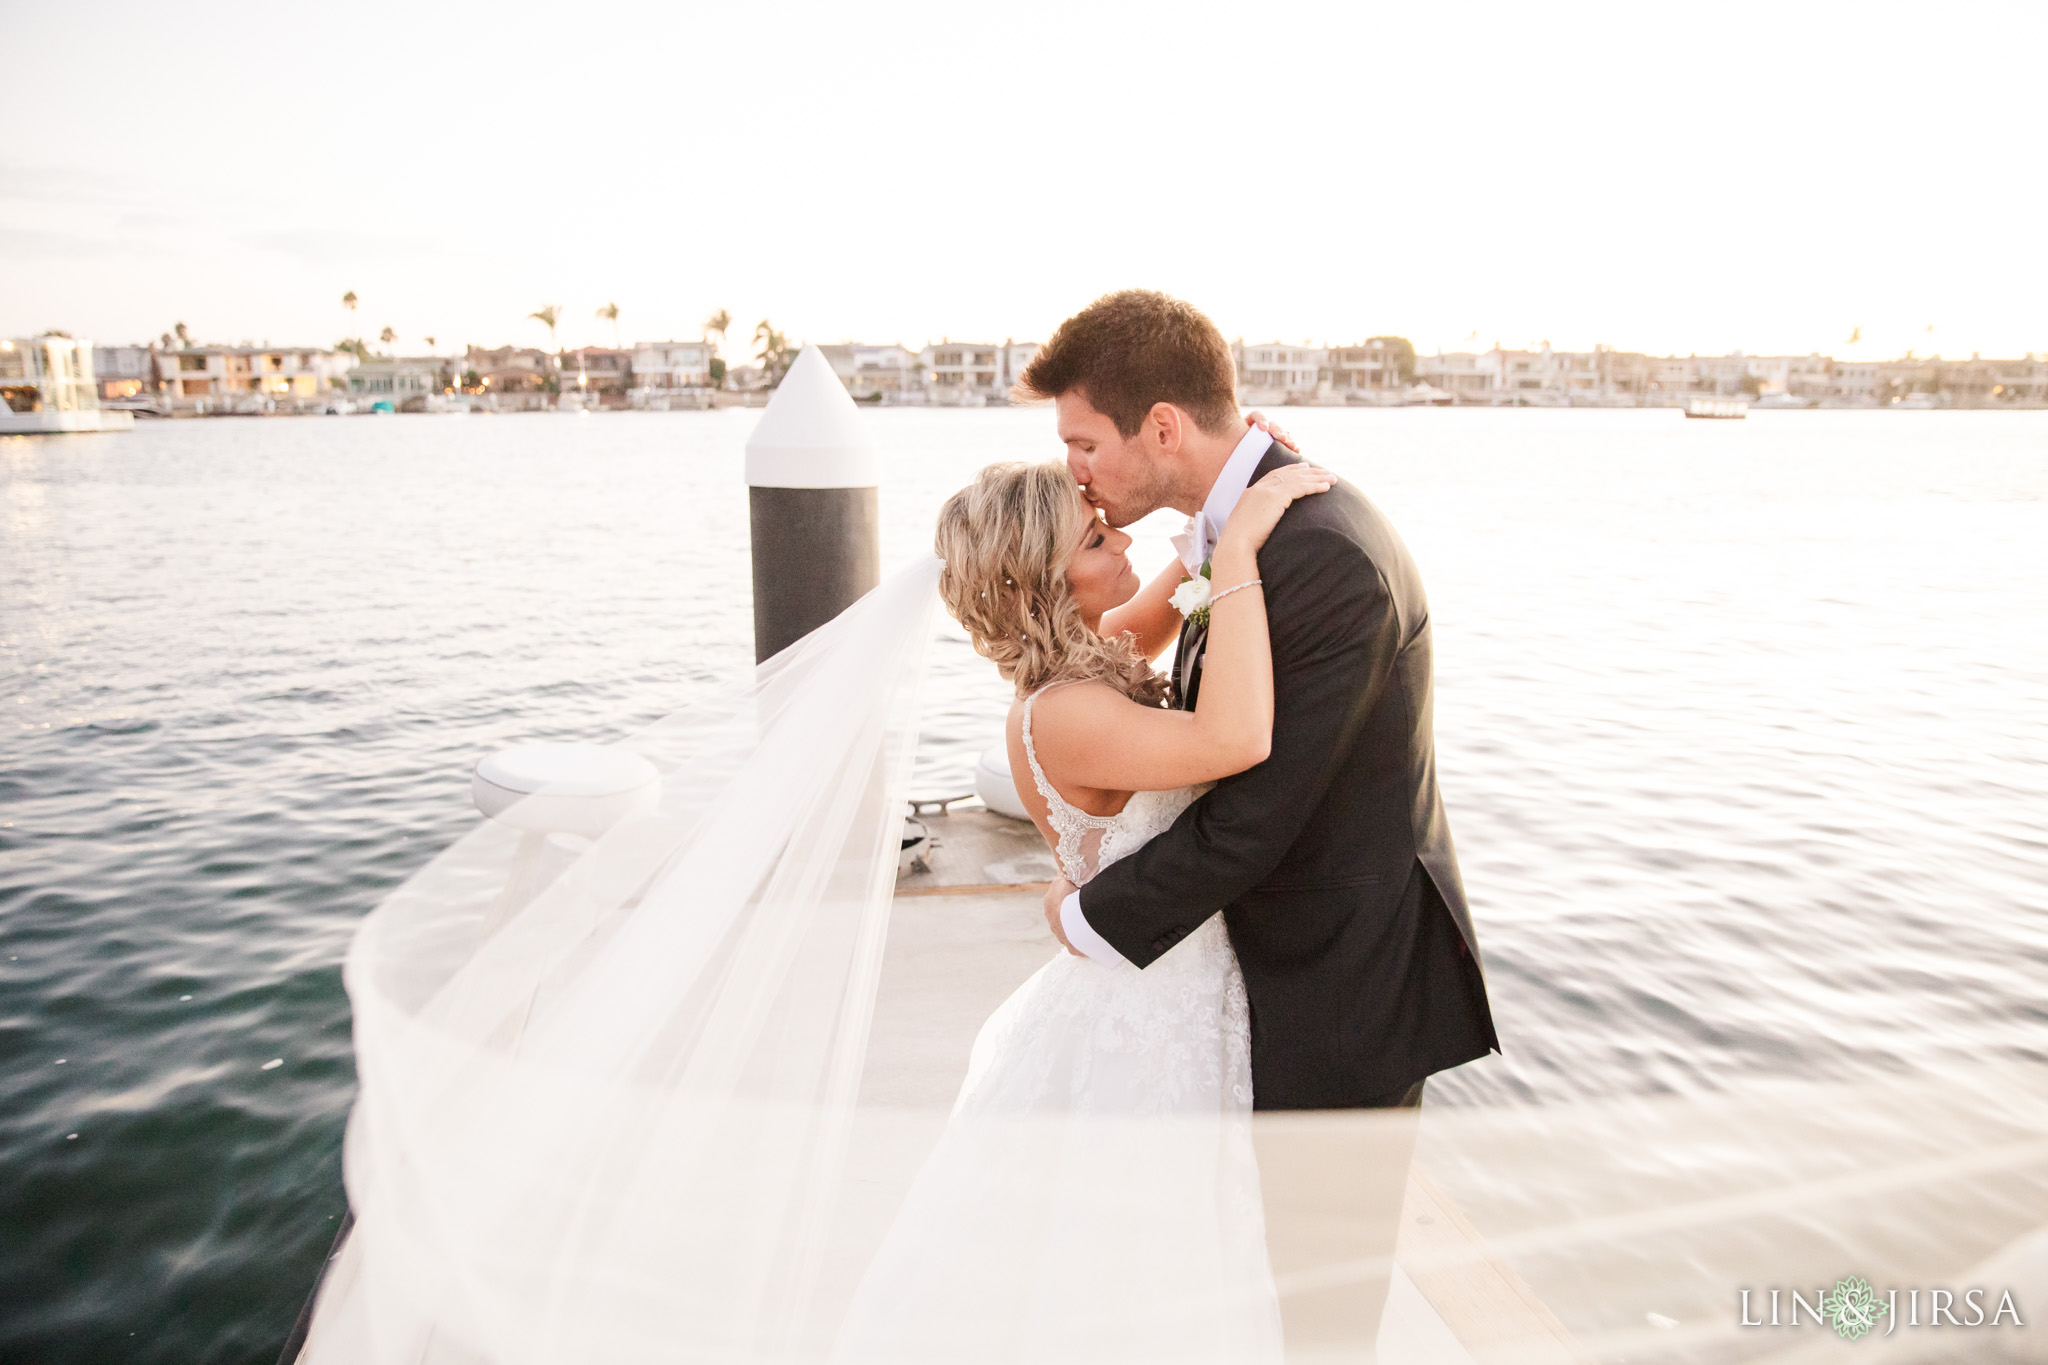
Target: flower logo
<point>1852,1307</point>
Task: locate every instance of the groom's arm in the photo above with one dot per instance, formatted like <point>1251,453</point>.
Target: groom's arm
<point>1335,638</point>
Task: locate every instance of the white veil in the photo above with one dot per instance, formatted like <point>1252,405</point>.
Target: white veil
<point>620,1124</point>
<point>609,1129</point>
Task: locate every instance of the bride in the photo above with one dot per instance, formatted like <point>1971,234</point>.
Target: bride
<point>607,1105</point>
<point>1095,1194</point>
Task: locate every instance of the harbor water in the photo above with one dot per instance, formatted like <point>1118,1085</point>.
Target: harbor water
<point>1742,729</point>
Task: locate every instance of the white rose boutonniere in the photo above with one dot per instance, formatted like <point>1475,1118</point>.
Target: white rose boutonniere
<point>1191,598</point>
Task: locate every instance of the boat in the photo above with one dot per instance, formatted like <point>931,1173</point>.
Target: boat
<point>993,785</point>
<point>48,387</point>
<point>1708,405</point>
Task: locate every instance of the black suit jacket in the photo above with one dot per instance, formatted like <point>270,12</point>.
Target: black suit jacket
<point>1332,860</point>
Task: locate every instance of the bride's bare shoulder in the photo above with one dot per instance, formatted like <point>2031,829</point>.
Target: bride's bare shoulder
<point>1072,710</point>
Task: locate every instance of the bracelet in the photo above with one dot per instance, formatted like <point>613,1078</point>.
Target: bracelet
<point>1248,583</point>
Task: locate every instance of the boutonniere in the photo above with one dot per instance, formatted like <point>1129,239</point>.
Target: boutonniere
<point>1191,598</point>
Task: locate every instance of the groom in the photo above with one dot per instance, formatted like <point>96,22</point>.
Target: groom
<point>1331,861</point>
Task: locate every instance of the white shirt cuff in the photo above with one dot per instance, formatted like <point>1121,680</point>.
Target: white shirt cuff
<point>1075,926</point>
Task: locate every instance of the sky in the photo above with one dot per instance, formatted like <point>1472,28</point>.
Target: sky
<point>1674,178</point>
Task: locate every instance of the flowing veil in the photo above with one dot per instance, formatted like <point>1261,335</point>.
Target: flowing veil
<point>611,1126</point>
<point>616,1118</point>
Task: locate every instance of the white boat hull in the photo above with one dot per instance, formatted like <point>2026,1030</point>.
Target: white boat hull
<point>49,423</point>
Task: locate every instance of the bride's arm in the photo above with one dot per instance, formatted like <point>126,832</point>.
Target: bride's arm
<point>1150,615</point>
<point>1097,737</point>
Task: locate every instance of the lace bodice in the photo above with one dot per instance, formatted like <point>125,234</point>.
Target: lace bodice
<point>1089,843</point>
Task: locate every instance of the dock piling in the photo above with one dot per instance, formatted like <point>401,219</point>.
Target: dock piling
<point>812,473</point>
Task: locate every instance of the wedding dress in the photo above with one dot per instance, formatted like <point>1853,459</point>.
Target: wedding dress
<point>1095,1195</point>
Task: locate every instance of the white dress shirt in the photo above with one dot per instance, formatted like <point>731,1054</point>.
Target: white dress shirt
<point>1194,545</point>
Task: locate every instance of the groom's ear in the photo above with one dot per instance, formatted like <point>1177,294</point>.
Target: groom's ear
<point>1166,427</point>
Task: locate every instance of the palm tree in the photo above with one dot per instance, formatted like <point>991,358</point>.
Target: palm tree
<point>387,336</point>
<point>184,337</point>
<point>549,314</point>
<point>611,310</point>
<point>430,344</point>
<point>717,323</point>
<point>774,351</point>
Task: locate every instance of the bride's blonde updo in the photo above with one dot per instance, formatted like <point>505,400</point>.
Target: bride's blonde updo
<point>1007,539</point>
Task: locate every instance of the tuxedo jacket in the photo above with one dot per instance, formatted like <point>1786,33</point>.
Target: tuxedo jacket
<point>1332,860</point>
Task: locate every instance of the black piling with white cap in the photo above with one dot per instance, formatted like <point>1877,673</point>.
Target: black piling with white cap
<point>812,473</point>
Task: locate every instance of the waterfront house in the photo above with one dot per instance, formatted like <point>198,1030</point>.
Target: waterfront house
<point>1810,377</point>
<point>1906,377</point>
<point>962,372</point>
<point>1624,376</point>
<point>1851,383</point>
<point>1275,372</point>
<point>597,369</point>
<point>890,374</point>
<point>249,378</point>
<point>1370,367</point>
<point>1981,383</point>
<point>514,378</point>
<point>672,364</point>
<point>1011,362</point>
<point>1722,374</point>
<point>1671,375</point>
<point>1518,376</point>
<point>1461,374</point>
<point>125,374</point>
<point>402,381</point>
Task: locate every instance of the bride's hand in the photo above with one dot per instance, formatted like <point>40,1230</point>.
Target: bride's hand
<point>1272,429</point>
<point>1258,511</point>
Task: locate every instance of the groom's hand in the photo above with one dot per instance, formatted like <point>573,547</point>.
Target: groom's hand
<point>1055,896</point>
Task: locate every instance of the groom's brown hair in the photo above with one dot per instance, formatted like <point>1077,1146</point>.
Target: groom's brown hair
<point>1131,349</point>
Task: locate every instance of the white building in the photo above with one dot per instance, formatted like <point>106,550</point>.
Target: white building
<point>1853,382</point>
<point>124,373</point>
<point>1275,371</point>
<point>1370,366</point>
<point>1518,375</point>
<point>672,364</point>
<point>1464,375</point>
<point>1670,374</point>
<point>397,379</point>
<point>889,373</point>
<point>963,371</point>
<point>1012,360</point>
<point>1809,376</point>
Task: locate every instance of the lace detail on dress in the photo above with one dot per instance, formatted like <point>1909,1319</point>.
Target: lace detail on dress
<point>1081,835</point>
